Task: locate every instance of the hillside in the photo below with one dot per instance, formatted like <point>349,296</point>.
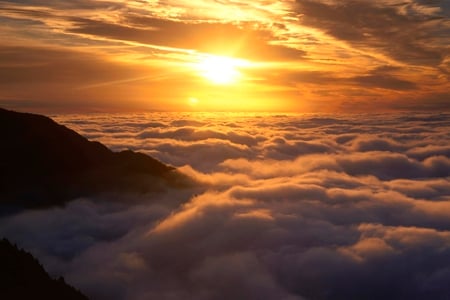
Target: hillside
<point>22,277</point>
<point>43,163</point>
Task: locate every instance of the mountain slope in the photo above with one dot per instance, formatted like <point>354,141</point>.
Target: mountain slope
<point>22,277</point>
<point>43,163</point>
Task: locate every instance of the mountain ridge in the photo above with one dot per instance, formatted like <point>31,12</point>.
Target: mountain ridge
<point>23,277</point>
<point>44,163</point>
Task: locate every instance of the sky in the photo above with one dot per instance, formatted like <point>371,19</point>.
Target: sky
<point>287,207</point>
<point>350,202</point>
<point>176,55</point>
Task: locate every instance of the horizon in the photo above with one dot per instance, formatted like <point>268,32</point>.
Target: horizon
<point>50,112</point>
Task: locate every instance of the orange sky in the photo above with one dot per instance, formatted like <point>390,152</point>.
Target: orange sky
<point>298,56</point>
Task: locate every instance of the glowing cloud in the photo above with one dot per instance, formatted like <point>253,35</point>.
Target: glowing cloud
<point>220,69</point>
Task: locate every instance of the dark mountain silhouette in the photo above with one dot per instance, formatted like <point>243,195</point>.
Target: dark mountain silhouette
<point>22,277</point>
<point>43,163</point>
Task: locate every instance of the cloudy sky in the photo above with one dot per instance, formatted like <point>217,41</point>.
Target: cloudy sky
<point>288,207</point>
<point>177,55</point>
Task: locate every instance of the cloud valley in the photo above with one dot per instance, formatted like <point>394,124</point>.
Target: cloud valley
<point>290,207</point>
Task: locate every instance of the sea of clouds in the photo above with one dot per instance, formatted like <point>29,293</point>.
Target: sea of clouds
<point>288,207</point>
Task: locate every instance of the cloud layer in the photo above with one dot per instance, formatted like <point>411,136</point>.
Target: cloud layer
<point>292,207</point>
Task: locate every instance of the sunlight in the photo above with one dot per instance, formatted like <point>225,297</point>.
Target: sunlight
<point>220,69</point>
<point>192,101</point>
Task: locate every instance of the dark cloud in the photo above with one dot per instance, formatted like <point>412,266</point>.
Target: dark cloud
<point>428,151</point>
<point>427,102</point>
<point>225,39</point>
<point>74,4</point>
<point>383,78</point>
<point>20,65</point>
<point>386,82</point>
<point>193,134</point>
<point>402,30</point>
<point>244,39</point>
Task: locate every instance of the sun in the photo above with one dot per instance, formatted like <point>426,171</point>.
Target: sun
<point>220,69</point>
<point>193,101</point>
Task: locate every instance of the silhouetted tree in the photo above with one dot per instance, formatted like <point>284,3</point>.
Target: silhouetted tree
<point>23,277</point>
